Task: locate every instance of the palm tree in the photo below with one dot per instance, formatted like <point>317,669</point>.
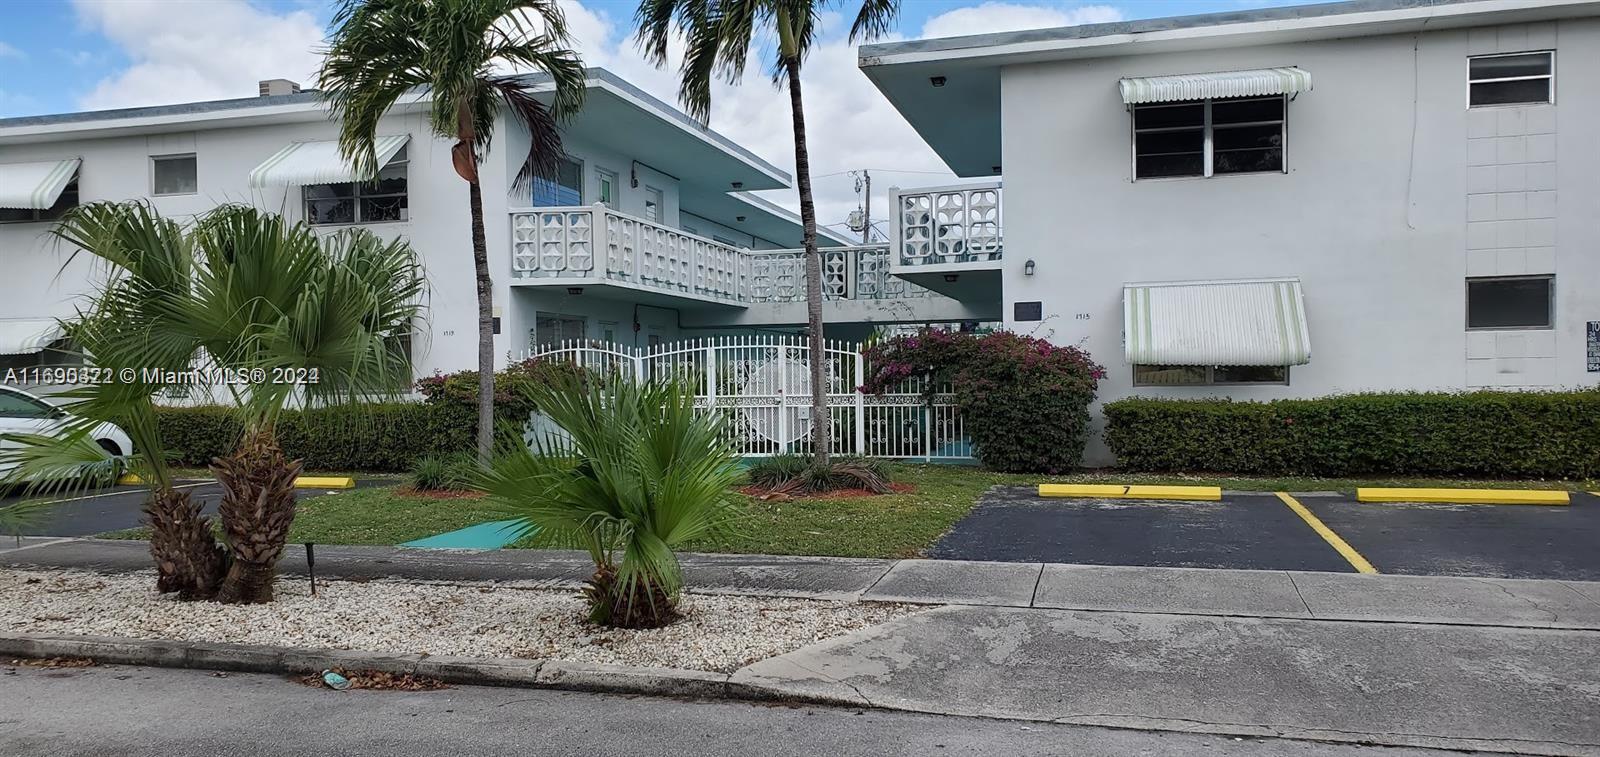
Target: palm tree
<point>719,34</point>
<point>636,471</point>
<point>447,51</point>
<point>243,291</point>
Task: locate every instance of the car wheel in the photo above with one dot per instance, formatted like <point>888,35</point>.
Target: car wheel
<point>111,447</point>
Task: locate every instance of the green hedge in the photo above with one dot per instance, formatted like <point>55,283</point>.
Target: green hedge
<point>1485,434</point>
<point>376,437</point>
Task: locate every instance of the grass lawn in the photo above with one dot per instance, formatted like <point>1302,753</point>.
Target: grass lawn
<point>893,525</point>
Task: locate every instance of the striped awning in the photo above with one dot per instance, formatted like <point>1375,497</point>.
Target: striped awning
<point>1249,322</point>
<point>27,336</point>
<point>35,186</point>
<point>1252,83</point>
<point>318,163</point>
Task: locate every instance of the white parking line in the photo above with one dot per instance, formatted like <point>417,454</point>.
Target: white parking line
<point>114,493</point>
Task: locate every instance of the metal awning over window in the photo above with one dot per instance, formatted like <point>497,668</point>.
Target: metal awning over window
<point>1251,322</point>
<point>35,186</point>
<point>303,163</point>
<point>1252,83</point>
<point>28,336</point>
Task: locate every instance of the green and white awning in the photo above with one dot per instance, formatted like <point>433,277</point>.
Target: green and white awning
<point>35,186</point>
<point>302,163</point>
<point>28,336</point>
<point>1248,322</point>
<point>1255,82</point>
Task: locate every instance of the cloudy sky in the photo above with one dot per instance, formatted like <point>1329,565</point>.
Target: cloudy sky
<point>59,56</point>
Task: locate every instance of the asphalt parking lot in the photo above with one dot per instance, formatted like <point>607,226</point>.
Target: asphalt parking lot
<point>117,508</point>
<point>1259,531</point>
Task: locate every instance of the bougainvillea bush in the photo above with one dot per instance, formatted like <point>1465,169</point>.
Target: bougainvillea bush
<point>1024,401</point>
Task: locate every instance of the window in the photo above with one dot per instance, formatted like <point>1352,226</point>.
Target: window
<point>1515,302</point>
<point>608,187</point>
<point>608,331</point>
<point>1208,137</point>
<point>551,329</point>
<point>653,203</point>
<point>566,189</point>
<point>18,405</point>
<point>67,201</point>
<point>1515,79</point>
<point>378,201</point>
<point>1209,375</point>
<point>173,175</point>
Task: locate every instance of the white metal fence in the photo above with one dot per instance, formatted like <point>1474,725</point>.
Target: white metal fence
<point>762,386</point>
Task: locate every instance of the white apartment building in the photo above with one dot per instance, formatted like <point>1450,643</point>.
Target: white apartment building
<point>1288,202</point>
<point>648,234</point>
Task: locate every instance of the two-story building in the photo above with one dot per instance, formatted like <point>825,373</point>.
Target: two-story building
<point>1411,186</point>
<point>648,233</point>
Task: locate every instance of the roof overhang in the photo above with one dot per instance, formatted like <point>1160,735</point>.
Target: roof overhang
<point>1241,322</point>
<point>762,218</point>
<point>35,186</point>
<point>961,119</point>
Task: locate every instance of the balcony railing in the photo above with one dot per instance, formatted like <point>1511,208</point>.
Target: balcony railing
<point>595,244</point>
<point>944,225</point>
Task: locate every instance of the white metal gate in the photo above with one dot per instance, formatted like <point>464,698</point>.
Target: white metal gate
<point>762,386</point>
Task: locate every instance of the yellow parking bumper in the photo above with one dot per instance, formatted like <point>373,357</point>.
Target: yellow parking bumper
<point>325,482</point>
<point>1466,496</point>
<point>1131,491</point>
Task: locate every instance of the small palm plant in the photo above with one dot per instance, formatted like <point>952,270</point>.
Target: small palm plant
<point>633,472</point>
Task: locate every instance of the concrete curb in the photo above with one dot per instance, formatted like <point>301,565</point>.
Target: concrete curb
<point>464,671</point>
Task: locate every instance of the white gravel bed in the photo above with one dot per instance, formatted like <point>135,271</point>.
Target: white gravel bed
<point>717,633</point>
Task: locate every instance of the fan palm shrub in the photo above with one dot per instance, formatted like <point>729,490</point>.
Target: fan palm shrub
<point>718,36</point>
<point>447,52</point>
<point>633,472</point>
<point>305,321</point>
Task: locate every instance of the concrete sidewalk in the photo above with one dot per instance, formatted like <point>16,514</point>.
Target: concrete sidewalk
<point>1456,663</point>
<point>1186,591</point>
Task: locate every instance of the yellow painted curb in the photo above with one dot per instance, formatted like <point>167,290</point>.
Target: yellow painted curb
<point>1466,496</point>
<point>129,479</point>
<point>1136,491</point>
<point>325,482</point>
<point>1333,539</point>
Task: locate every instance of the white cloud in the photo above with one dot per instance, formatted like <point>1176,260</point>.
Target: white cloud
<point>186,50</point>
<point>9,51</point>
<point>1005,17</point>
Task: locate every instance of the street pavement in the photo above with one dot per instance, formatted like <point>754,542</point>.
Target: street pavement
<point>154,712</point>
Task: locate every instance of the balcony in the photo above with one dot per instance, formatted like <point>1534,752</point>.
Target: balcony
<point>617,256</point>
<point>948,239</point>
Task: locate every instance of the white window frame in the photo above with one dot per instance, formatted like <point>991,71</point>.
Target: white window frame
<point>660,197</point>
<point>154,159</point>
<point>1207,147</point>
<point>1211,377</point>
<point>602,177</point>
<point>1550,76</point>
<point>356,196</point>
<point>1550,302</point>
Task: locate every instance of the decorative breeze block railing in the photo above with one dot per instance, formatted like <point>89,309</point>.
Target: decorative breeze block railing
<point>959,224</point>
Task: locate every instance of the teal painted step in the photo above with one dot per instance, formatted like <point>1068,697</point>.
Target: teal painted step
<point>491,535</point>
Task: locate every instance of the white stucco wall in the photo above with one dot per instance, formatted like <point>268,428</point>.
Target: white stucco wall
<point>1385,163</point>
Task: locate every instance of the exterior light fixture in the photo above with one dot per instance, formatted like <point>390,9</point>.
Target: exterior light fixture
<point>738,185</point>
<point>950,277</point>
<point>1027,268</point>
<point>937,81</point>
<point>740,219</point>
<point>574,290</point>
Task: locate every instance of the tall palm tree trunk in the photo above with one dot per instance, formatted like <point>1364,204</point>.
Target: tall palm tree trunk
<point>821,431</point>
<point>257,509</point>
<point>480,262</point>
<point>188,560</point>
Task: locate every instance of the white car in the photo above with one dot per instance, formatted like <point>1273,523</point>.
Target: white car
<point>24,413</point>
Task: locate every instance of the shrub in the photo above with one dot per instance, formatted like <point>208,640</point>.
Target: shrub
<point>444,472</point>
<point>512,400</point>
<point>378,437</point>
<point>799,474</point>
<point>1489,434</point>
<point>1024,401</point>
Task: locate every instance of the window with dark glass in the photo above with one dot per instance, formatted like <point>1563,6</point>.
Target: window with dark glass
<point>380,200</point>
<point>1208,137</point>
<point>565,190</point>
<point>553,329</point>
<point>1516,79</point>
<point>1208,375</point>
<point>1515,302</point>
<point>67,201</point>
<point>173,175</point>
